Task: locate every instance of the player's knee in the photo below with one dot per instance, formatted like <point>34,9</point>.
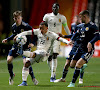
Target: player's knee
<point>72,66</point>
<point>78,65</point>
<point>50,58</point>
<point>9,61</point>
<point>66,66</point>
<point>55,55</point>
<point>33,55</point>
<point>27,64</point>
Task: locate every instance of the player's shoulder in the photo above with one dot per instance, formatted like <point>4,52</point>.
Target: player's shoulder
<point>36,29</point>
<point>24,23</point>
<point>50,33</point>
<point>48,14</point>
<point>73,24</point>
<point>80,25</point>
<point>61,15</point>
<point>92,24</point>
<point>13,25</point>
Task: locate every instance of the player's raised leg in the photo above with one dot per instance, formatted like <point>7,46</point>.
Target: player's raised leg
<point>82,73</point>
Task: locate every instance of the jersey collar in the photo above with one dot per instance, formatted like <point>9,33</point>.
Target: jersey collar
<point>54,15</point>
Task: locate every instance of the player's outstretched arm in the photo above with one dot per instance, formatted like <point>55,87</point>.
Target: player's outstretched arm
<point>64,40</point>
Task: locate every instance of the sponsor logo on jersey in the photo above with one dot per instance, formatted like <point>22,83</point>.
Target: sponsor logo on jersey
<point>87,28</point>
<point>59,20</point>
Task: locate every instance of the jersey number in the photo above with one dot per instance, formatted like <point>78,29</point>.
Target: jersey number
<point>54,24</point>
<point>42,41</point>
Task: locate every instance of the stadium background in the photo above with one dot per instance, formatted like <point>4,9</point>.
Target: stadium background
<point>33,12</point>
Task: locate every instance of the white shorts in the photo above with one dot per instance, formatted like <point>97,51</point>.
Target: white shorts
<point>41,55</point>
<point>56,47</point>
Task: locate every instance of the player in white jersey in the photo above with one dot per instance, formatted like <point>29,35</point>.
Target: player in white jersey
<point>55,21</point>
<point>45,39</point>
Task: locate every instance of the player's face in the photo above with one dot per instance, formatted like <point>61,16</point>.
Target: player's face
<point>82,18</point>
<point>43,29</point>
<point>18,20</point>
<point>55,9</point>
<point>77,20</point>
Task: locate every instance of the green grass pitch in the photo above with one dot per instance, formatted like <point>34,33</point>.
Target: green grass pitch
<point>42,74</point>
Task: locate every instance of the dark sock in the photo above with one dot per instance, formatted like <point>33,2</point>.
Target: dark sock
<point>81,75</point>
<point>10,69</point>
<point>76,74</point>
<point>64,73</point>
<point>31,72</point>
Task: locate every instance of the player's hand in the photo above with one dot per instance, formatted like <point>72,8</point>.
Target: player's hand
<point>61,35</point>
<point>89,46</point>
<point>4,41</point>
<point>70,42</point>
<point>30,45</point>
<point>15,38</point>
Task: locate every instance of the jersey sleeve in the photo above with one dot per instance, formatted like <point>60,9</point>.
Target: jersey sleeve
<point>45,18</point>
<point>96,30</point>
<point>53,35</point>
<point>35,31</point>
<point>64,21</point>
<point>28,27</point>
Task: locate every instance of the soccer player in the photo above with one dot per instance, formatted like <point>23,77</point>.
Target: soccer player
<point>45,39</point>
<point>55,21</point>
<point>18,27</point>
<point>72,52</point>
<point>84,53</point>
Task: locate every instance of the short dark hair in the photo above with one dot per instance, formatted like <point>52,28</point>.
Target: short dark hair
<point>44,23</point>
<point>17,13</point>
<point>85,12</point>
<point>56,4</point>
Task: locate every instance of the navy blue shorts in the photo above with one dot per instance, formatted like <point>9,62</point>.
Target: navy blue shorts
<point>13,52</point>
<point>72,52</point>
<point>84,55</point>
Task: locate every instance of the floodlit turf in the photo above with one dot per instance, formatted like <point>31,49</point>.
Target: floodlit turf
<point>42,73</point>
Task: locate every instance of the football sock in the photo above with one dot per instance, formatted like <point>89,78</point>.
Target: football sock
<point>49,64</point>
<point>25,72</point>
<point>54,66</point>
<point>10,69</point>
<point>31,72</point>
<point>64,73</point>
<point>76,74</point>
<point>81,75</point>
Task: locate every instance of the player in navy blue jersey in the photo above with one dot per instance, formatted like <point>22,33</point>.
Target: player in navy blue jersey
<point>86,33</point>
<point>72,53</point>
<point>18,27</point>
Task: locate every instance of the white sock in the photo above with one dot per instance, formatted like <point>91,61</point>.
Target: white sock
<point>25,72</point>
<point>54,66</point>
<point>49,64</point>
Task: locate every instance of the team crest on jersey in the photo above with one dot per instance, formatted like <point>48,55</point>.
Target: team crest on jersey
<point>47,38</point>
<point>22,30</point>
<point>87,28</point>
<point>12,48</point>
<point>59,20</point>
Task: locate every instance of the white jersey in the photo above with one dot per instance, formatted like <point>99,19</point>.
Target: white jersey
<point>55,22</point>
<point>45,41</point>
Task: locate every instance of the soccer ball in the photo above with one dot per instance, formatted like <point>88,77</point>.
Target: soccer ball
<point>21,40</point>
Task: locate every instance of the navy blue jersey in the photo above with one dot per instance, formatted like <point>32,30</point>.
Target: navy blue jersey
<point>73,30</point>
<point>18,29</point>
<point>86,32</point>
